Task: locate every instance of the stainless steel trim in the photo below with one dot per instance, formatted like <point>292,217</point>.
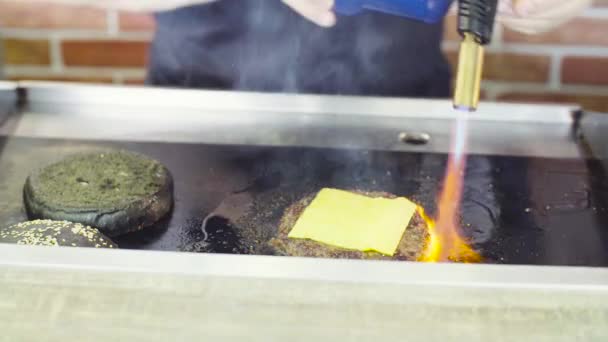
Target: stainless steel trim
<point>52,294</point>
<point>330,270</point>
<point>8,99</point>
<point>56,110</point>
<point>288,103</point>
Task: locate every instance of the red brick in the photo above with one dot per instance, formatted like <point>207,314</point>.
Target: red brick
<point>26,52</point>
<point>129,21</point>
<point>511,67</point>
<point>43,15</point>
<point>585,70</point>
<point>589,102</point>
<point>105,53</point>
<point>580,31</point>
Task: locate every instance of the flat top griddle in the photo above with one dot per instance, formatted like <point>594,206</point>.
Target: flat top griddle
<point>535,184</point>
<point>518,210</point>
<point>535,194</point>
<point>535,191</point>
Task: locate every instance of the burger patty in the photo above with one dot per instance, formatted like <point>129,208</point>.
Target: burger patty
<point>55,233</point>
<point>410,247</point>
<point>116,191</point>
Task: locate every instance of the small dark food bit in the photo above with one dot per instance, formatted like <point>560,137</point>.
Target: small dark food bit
<point>55,233</point>
<point>410,247</point>
<point>116,191</point>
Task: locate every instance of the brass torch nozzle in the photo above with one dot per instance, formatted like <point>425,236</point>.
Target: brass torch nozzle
<point>468,78</point>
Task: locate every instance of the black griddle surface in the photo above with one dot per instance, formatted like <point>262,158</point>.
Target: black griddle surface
<point>516,210</point>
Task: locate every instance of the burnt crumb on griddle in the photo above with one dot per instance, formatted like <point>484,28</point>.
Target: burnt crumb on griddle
<point>197,247</point>
<point>218,236</point>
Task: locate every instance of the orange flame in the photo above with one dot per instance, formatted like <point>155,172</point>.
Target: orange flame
<point>445,242</point>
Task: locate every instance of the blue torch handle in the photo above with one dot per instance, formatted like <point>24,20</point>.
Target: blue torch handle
<point>429,11</point>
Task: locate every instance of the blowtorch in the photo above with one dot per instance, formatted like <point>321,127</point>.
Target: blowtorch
<point>475,25</point>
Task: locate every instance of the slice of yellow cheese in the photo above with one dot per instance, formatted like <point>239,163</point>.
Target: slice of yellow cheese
<point>348,220</point>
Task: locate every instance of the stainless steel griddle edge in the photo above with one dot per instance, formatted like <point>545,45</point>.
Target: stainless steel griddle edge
<point>66,102</point>
<point>192,116</point>
<point>500,277</point>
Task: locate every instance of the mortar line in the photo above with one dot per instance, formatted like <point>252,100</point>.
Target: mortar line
<point>555,71</point>
<point>76,34</point>
<point>56,54</point>
<point>497,39</point>
<point>112,22</point>
<point>118,78</point>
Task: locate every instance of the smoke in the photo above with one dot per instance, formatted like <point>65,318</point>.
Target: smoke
<point>460,135</point>
<point>367,54</point>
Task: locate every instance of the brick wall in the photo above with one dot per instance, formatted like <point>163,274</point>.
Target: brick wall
<point>80,44</point>
<point>569,64</point>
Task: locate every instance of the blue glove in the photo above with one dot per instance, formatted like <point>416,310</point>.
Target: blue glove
<point>321,12</point>
<point>429,11</point>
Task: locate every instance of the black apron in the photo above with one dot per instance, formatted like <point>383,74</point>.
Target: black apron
<point>262,45</point>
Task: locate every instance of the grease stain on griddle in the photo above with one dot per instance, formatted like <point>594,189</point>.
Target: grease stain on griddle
<point>221,236</point>
<point>149,235</point>
<point>215,234</point>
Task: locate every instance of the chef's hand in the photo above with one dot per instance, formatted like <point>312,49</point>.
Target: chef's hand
<point>536,16</point>
<point>319,12</point>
